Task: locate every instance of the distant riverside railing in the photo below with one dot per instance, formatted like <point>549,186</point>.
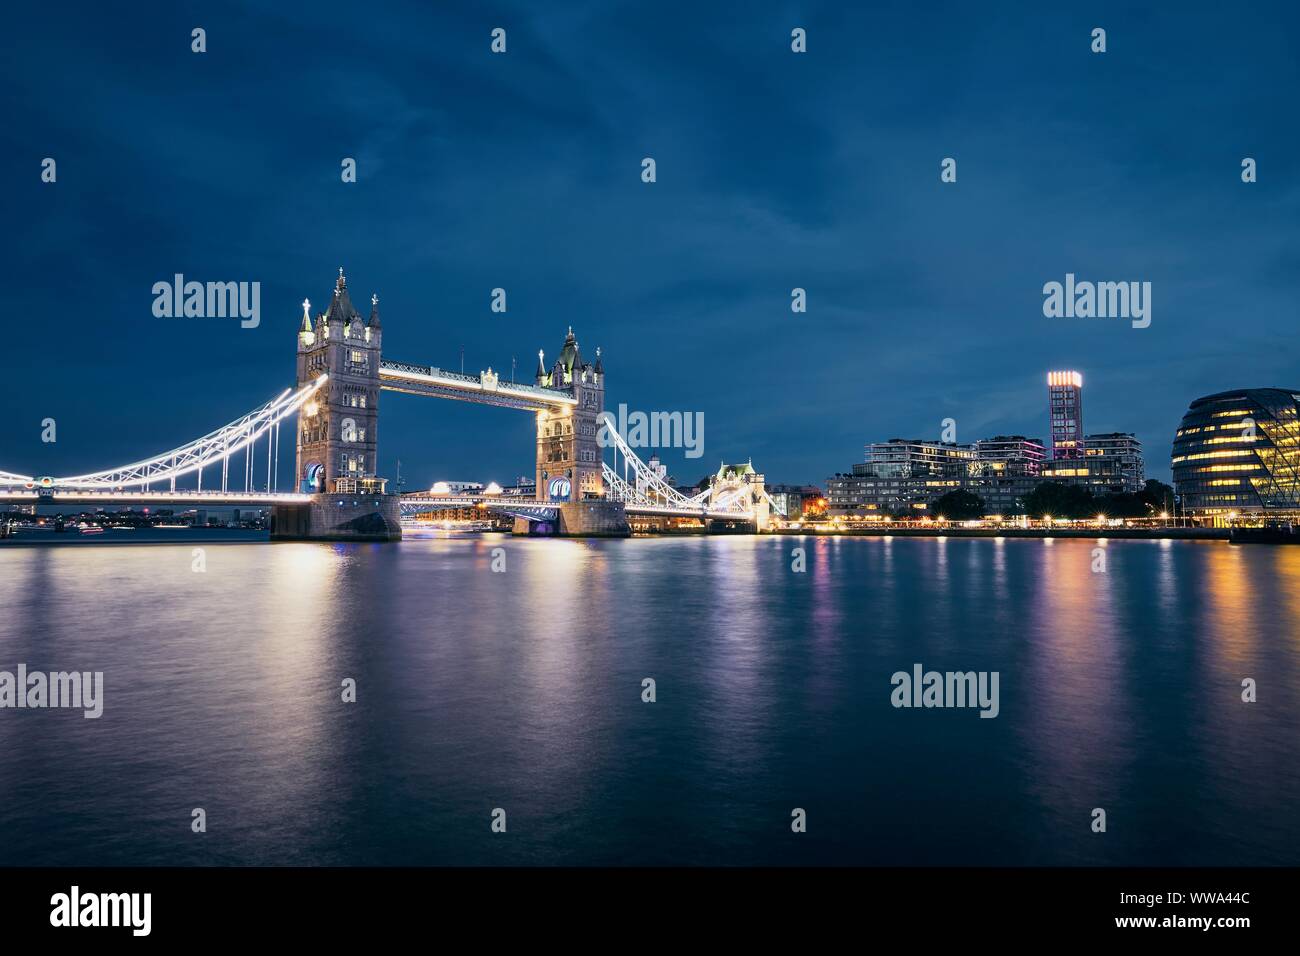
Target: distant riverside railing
<point>429,370</point>
<point>39,495</point>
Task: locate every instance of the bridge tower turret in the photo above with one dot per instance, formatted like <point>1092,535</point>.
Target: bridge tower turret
<point>338,429</point>
<point>568,455</point>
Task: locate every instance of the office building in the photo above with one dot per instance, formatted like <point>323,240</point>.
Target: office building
<point>1237,453</point>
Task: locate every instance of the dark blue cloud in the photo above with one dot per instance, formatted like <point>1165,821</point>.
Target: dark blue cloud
<point>775,171</point>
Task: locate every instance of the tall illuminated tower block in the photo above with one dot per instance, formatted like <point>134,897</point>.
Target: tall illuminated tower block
<point>1065,405</point>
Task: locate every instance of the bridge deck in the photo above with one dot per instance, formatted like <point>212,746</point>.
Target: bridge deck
<point>216,499</point>
<point>435,502</point>
<point>484,389</point>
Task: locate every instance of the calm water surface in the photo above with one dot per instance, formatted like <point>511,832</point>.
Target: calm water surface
<point>522,690</point>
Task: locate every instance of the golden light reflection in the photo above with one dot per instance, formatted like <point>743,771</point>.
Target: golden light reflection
<point>1075,677</point>
<point>1230,596</point>
<point>1287,570</point>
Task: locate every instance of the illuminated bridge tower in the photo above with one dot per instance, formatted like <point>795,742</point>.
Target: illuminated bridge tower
<point>568,453</point>
<point>746,484</point>
<point>338,429</point>
<point>568,456</point>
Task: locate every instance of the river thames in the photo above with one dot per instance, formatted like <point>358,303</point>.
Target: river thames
<point>520,688</point>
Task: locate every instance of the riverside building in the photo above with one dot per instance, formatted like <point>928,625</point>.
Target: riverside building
<point>1111,464</point>
<point>1065,406</point>
<point>1236,455</point>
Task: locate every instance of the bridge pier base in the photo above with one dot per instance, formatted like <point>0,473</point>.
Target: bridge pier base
<point>583,519</point>
<point>339,518</point>
<point>732,526</point>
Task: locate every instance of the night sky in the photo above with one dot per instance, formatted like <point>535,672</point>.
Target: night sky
<point>775,170</point>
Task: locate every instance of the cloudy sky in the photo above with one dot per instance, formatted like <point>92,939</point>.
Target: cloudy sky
<point>775,171</point>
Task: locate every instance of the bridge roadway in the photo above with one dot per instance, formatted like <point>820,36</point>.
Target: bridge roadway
<point>412,502</point>
<point>485,388</point>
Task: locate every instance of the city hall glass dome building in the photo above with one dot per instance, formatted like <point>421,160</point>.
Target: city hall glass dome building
<point>1239,451</point>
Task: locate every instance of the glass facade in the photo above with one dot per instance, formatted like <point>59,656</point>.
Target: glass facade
<point>1239,452</point>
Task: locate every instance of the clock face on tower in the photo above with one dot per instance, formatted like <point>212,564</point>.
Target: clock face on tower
<point>315,475</point>
<point>559,489</point>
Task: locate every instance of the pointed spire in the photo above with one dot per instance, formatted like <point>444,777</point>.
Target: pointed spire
<point>306,316</point>
<point>600,365</point>
<point>340,310</point>
<point>374,310</point>
<point>569,359</point>
<point>541,365</point>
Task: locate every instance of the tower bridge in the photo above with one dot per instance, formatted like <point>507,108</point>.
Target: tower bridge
<point>337,491</point>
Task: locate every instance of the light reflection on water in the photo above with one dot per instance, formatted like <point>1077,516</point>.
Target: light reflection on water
<point>522,690</point>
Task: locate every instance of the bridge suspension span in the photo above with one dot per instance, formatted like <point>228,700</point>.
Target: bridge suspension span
<point>213,449</point>
<point>649,493</point>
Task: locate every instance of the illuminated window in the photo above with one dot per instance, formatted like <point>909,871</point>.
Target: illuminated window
<point>1212,454</point>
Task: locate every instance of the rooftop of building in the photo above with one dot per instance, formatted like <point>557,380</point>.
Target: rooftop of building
<point>736,471</point>
<point>1238,394</point>
<point>341,309</point>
